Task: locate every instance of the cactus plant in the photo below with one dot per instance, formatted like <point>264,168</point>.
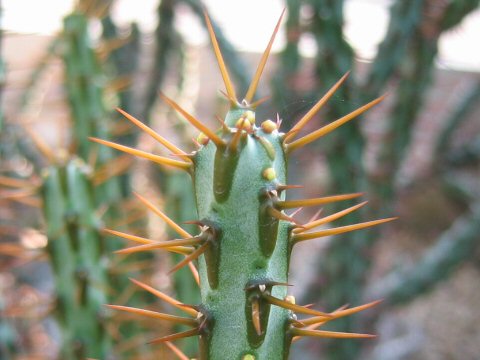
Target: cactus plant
<point>75,251</point>
<point>243,249</point>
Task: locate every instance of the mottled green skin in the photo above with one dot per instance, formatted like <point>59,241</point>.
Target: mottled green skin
<point>75,251</point>
<point>239,260</point>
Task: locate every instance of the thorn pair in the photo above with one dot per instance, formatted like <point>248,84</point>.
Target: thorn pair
<point>293,145</point>
<point>309,325</point>
<point>231,95</point>
<point>196,321</point>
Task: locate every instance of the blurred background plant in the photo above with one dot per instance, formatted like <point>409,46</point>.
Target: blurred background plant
<point>417,155</point>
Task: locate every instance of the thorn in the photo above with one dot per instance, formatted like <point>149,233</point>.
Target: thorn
<point>339,230</point>
<point>221,63</point>
<point>340,313</point>
<point>155,315</point>
<point>190,156</point>
<point>165,297</point>
<point>289,204</point>
<point>256,316</point>
<point>41,145</point>
<point>315,216</point>
<point>133,217</point>
<point>184,234</point>
<point>119,84</point>
<point>330,127</point>
<point>194,121</point>
<point>112,168</point>
<point>155,158</point>
<point>261,66</point>
<point>29,201</point>
<point>161,245</point>
<point>194,272</point>
<point>279,121</point>
<point>296,308</point>
<point>18,194</point>
<point>194,222</point>
<point>259,102</point>
<point>196,143</point>
<point>134,238</point>
<point>328,219</point>
<point>280,216</point>
<point>232,100</point>
<point>193,256</point>
<point>154,134</point>
<point>329,334</point>
<point>222,123</point>
<point>287,187</point>
<point>180,335</point>
<point>14,182</point>
<point>311,113</point>
<point>233,145</point>
<point>176,351</point>
<point>296,212</point>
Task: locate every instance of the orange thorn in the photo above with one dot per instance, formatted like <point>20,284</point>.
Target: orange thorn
<point>233,145</point>
<point>259,102</point>
<point>180,335</point>
<point>41,145</point>
<point>164,217</point>
<point>161,245</point>
<point>194,121</point>
<point>111,168</point>
<point>256,316</point>
<point>176,351</point>
<point>221,63</point>
<point>193,256</point>
<point>339,230</point>
<point>316,215</point>
<point>222,123</point>
<point>311,113</point>
<point>29,201</point>
<point>261,66</point>
<point>155,315</point>
<point>18,194</point>
<point>232,100</point>
<point>194,272</point>
<point>296,212</point>
<point>340,313</point>
<point>330,127</point>
<point>289,204</point>
<point>134,238</point>
<point>329,334</point>
<point>14,182</point>
<point>286,187</point>
<point>176,249</point>
<point>329,218</point>
<point>280,216</point>
<point>155,158</point>
<point>155,135</point>
<point>297,308</point>
<point>165,297</point>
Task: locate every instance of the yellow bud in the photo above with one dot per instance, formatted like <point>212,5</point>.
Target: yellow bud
<point>290,299</point>
<point>250,115</point>
<point>243,124</point>
<point>202,139</point>
<point>269,126</point>
<point>248,357</point>
<point>269,174</point>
